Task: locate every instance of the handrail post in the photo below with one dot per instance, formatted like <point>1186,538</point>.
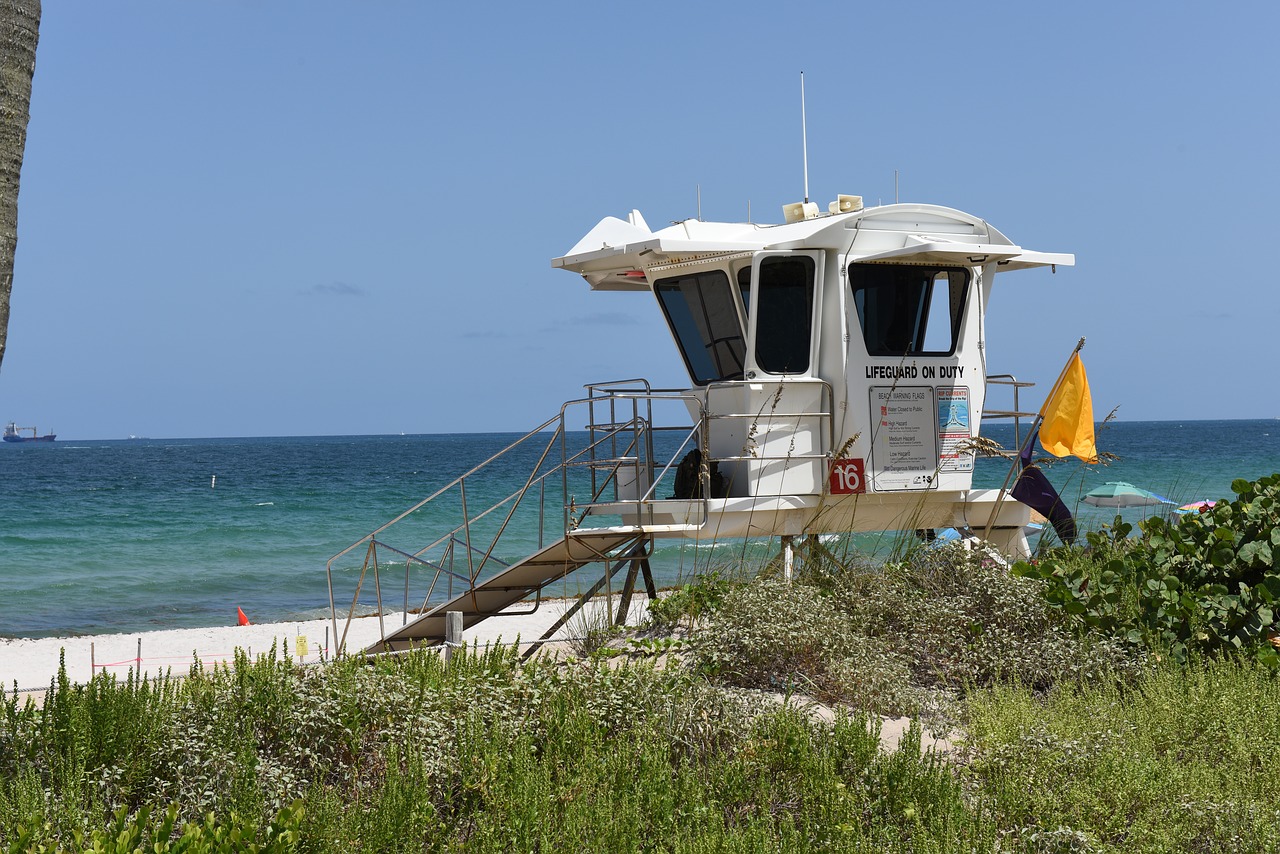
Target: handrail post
<point>1017,420</point>
<point>637,427</point>
<point>404,617</point>
<point>333,605</point>
<point>377,588</point>
<point>564,474</point>
<point>648,442</point>
<point>466,528</point>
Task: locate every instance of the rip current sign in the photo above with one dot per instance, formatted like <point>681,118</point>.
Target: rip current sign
<point>848,477</point>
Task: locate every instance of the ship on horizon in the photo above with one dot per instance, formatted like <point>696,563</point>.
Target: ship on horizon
<point>13,433</point>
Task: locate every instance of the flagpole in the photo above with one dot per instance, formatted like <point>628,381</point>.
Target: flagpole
<point>1035,425</point>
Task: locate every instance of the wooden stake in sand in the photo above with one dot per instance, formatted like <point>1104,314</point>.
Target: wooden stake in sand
<point>452,632</point>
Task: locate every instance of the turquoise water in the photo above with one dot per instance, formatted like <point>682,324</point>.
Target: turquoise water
<point>108,536</point>
<point>1181,460</point>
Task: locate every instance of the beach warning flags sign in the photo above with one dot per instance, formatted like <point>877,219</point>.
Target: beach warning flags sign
<point>1067,428</point>
<point>241,618</point>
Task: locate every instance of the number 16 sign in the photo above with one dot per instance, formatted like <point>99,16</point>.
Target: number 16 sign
<point>848,477</point>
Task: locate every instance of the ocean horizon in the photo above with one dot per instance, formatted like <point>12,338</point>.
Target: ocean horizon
<point>123,535</point>
<point>398,434</point>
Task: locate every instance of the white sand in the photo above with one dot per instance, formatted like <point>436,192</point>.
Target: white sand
<point>33,663</point>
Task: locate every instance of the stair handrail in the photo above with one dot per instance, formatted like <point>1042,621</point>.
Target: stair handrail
<point>372,537</point>
<point>637,426</point>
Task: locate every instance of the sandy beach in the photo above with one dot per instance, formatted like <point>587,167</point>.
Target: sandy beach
<point>31,664</point>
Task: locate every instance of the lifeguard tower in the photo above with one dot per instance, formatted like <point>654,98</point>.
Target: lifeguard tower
<point>838,379</point>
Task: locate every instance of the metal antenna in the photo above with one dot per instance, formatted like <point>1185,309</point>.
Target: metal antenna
<point>804,140</point>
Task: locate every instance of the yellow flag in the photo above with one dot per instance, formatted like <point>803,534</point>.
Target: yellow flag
<point>1067,429</point>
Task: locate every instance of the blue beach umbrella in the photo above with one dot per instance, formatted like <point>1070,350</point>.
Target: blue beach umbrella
<point>1117,493</point>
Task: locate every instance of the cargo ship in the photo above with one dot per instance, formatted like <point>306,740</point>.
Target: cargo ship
<point>13,433</point>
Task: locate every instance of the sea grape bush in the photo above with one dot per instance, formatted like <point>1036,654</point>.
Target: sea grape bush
<point>153,831</point>
<point>691,602</point>
<point>1201,584</point>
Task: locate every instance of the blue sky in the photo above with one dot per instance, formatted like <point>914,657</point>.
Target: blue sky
<point>291,218</point>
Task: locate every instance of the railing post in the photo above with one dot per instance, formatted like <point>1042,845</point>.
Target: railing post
<point>466,527</point>
<point>453,565</point>
<point>377,588</point>
<point>542,509</point>
<point>637,428</point>
<point>564,474</point>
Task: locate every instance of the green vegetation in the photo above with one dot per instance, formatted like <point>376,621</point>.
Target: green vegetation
<point>1183,759</point>
<point>1204,584</point>
<point>1119,697</point>
<point>481,754</point>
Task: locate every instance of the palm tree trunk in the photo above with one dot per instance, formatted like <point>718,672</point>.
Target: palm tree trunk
<point>19,33</point>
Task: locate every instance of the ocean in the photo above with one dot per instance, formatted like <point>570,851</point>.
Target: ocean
<point>136,535</point>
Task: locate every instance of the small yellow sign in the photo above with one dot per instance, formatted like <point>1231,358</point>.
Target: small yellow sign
<point>301,646</point>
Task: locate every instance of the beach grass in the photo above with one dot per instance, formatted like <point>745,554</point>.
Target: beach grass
<point>486,753</point>
<point>1183,759</point>
<point>481,754</point>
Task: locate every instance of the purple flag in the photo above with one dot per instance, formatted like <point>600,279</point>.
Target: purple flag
<point>1034,490</point>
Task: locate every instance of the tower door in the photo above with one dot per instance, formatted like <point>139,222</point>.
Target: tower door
<point>773,431</point>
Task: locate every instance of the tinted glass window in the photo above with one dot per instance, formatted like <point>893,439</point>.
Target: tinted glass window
<point>909,310</point>
<point>701,312</point>
<point>744,288</point>
<point>784,315</point>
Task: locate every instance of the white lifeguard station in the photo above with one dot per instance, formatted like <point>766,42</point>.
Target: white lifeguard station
<point>837,380</point>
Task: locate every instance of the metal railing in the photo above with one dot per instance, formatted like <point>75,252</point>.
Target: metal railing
<point>469,549</point>
<point>1016,413</point>
<point>824,415</point>
<point>607,475</point>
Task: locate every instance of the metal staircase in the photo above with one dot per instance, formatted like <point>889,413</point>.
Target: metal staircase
<point>517,582</point>
<point>591,494</point>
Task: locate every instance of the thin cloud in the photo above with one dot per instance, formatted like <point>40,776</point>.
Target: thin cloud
<point>335,289</point>
<point>602,318</point>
